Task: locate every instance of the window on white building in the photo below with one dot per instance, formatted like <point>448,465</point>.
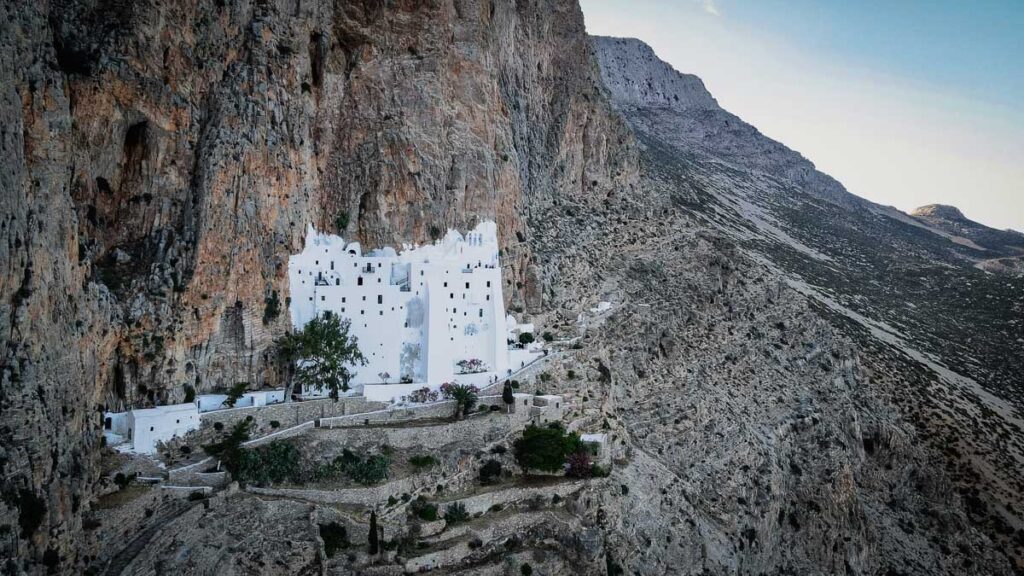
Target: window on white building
<point>467,285</point>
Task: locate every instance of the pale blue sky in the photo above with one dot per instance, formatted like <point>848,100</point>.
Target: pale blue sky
<point>905,102</point>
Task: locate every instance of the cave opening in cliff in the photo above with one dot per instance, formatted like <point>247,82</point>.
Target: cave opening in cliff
<point>133,154</point>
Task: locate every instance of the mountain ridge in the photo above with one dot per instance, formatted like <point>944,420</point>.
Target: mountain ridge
<point>932,305</point>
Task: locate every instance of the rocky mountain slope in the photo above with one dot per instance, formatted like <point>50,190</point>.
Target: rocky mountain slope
<point>940,338</point>
<point>784,373</point>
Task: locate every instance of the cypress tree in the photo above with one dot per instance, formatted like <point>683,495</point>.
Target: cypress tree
<point>507,396</point>
<point>374,537</point>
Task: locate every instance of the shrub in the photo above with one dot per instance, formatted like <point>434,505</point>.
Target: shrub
<point>370,471</point>
<point>218,426</point>
<point>490,472</point>
<point>423,395</point>
<point>598,471</point>
<point>548,336</point>
<point>571,374</point>
<point>335,538</point>
<point>456,513</point>
<point>526,570</point>
<point>271,308</point>
<point>545,377</point>
<point>423,510</point>
<point>545,448</point>
<point>186,450</point>
<point>122,480</point>
<point>526,338</point>
<point>275,424</point>
<point>271,464</point>
<point>422,461</point>
<point>499,449</point>
<point>341,221</point>
<point>579,465</point>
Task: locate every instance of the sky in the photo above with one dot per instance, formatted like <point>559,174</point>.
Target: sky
<point>906,102</point>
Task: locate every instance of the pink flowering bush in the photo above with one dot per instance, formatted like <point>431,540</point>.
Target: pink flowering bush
<point>423,395</point>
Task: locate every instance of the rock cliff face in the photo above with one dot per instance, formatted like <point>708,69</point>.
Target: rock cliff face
<point>162,159</point>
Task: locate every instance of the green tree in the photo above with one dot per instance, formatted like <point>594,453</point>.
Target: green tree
<point>235,393</point>
<point>545,448</point>
<point>229,451</point>
<point>464,395</point>
<point>374,536</point>
<point>526,338</point>
<point>507,396</point>
<point>322,353</point>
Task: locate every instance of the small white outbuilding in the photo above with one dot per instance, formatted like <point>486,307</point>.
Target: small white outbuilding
<point>142,429</point>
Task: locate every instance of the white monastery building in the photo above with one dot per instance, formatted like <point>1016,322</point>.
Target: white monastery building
<point>427,315</point>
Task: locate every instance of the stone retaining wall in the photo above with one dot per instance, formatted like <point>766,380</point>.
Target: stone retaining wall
<point>369,496</point>
<point>485,428</point>
<point>285,415</point>
<point>483,502</point>
<point>198,478</point>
